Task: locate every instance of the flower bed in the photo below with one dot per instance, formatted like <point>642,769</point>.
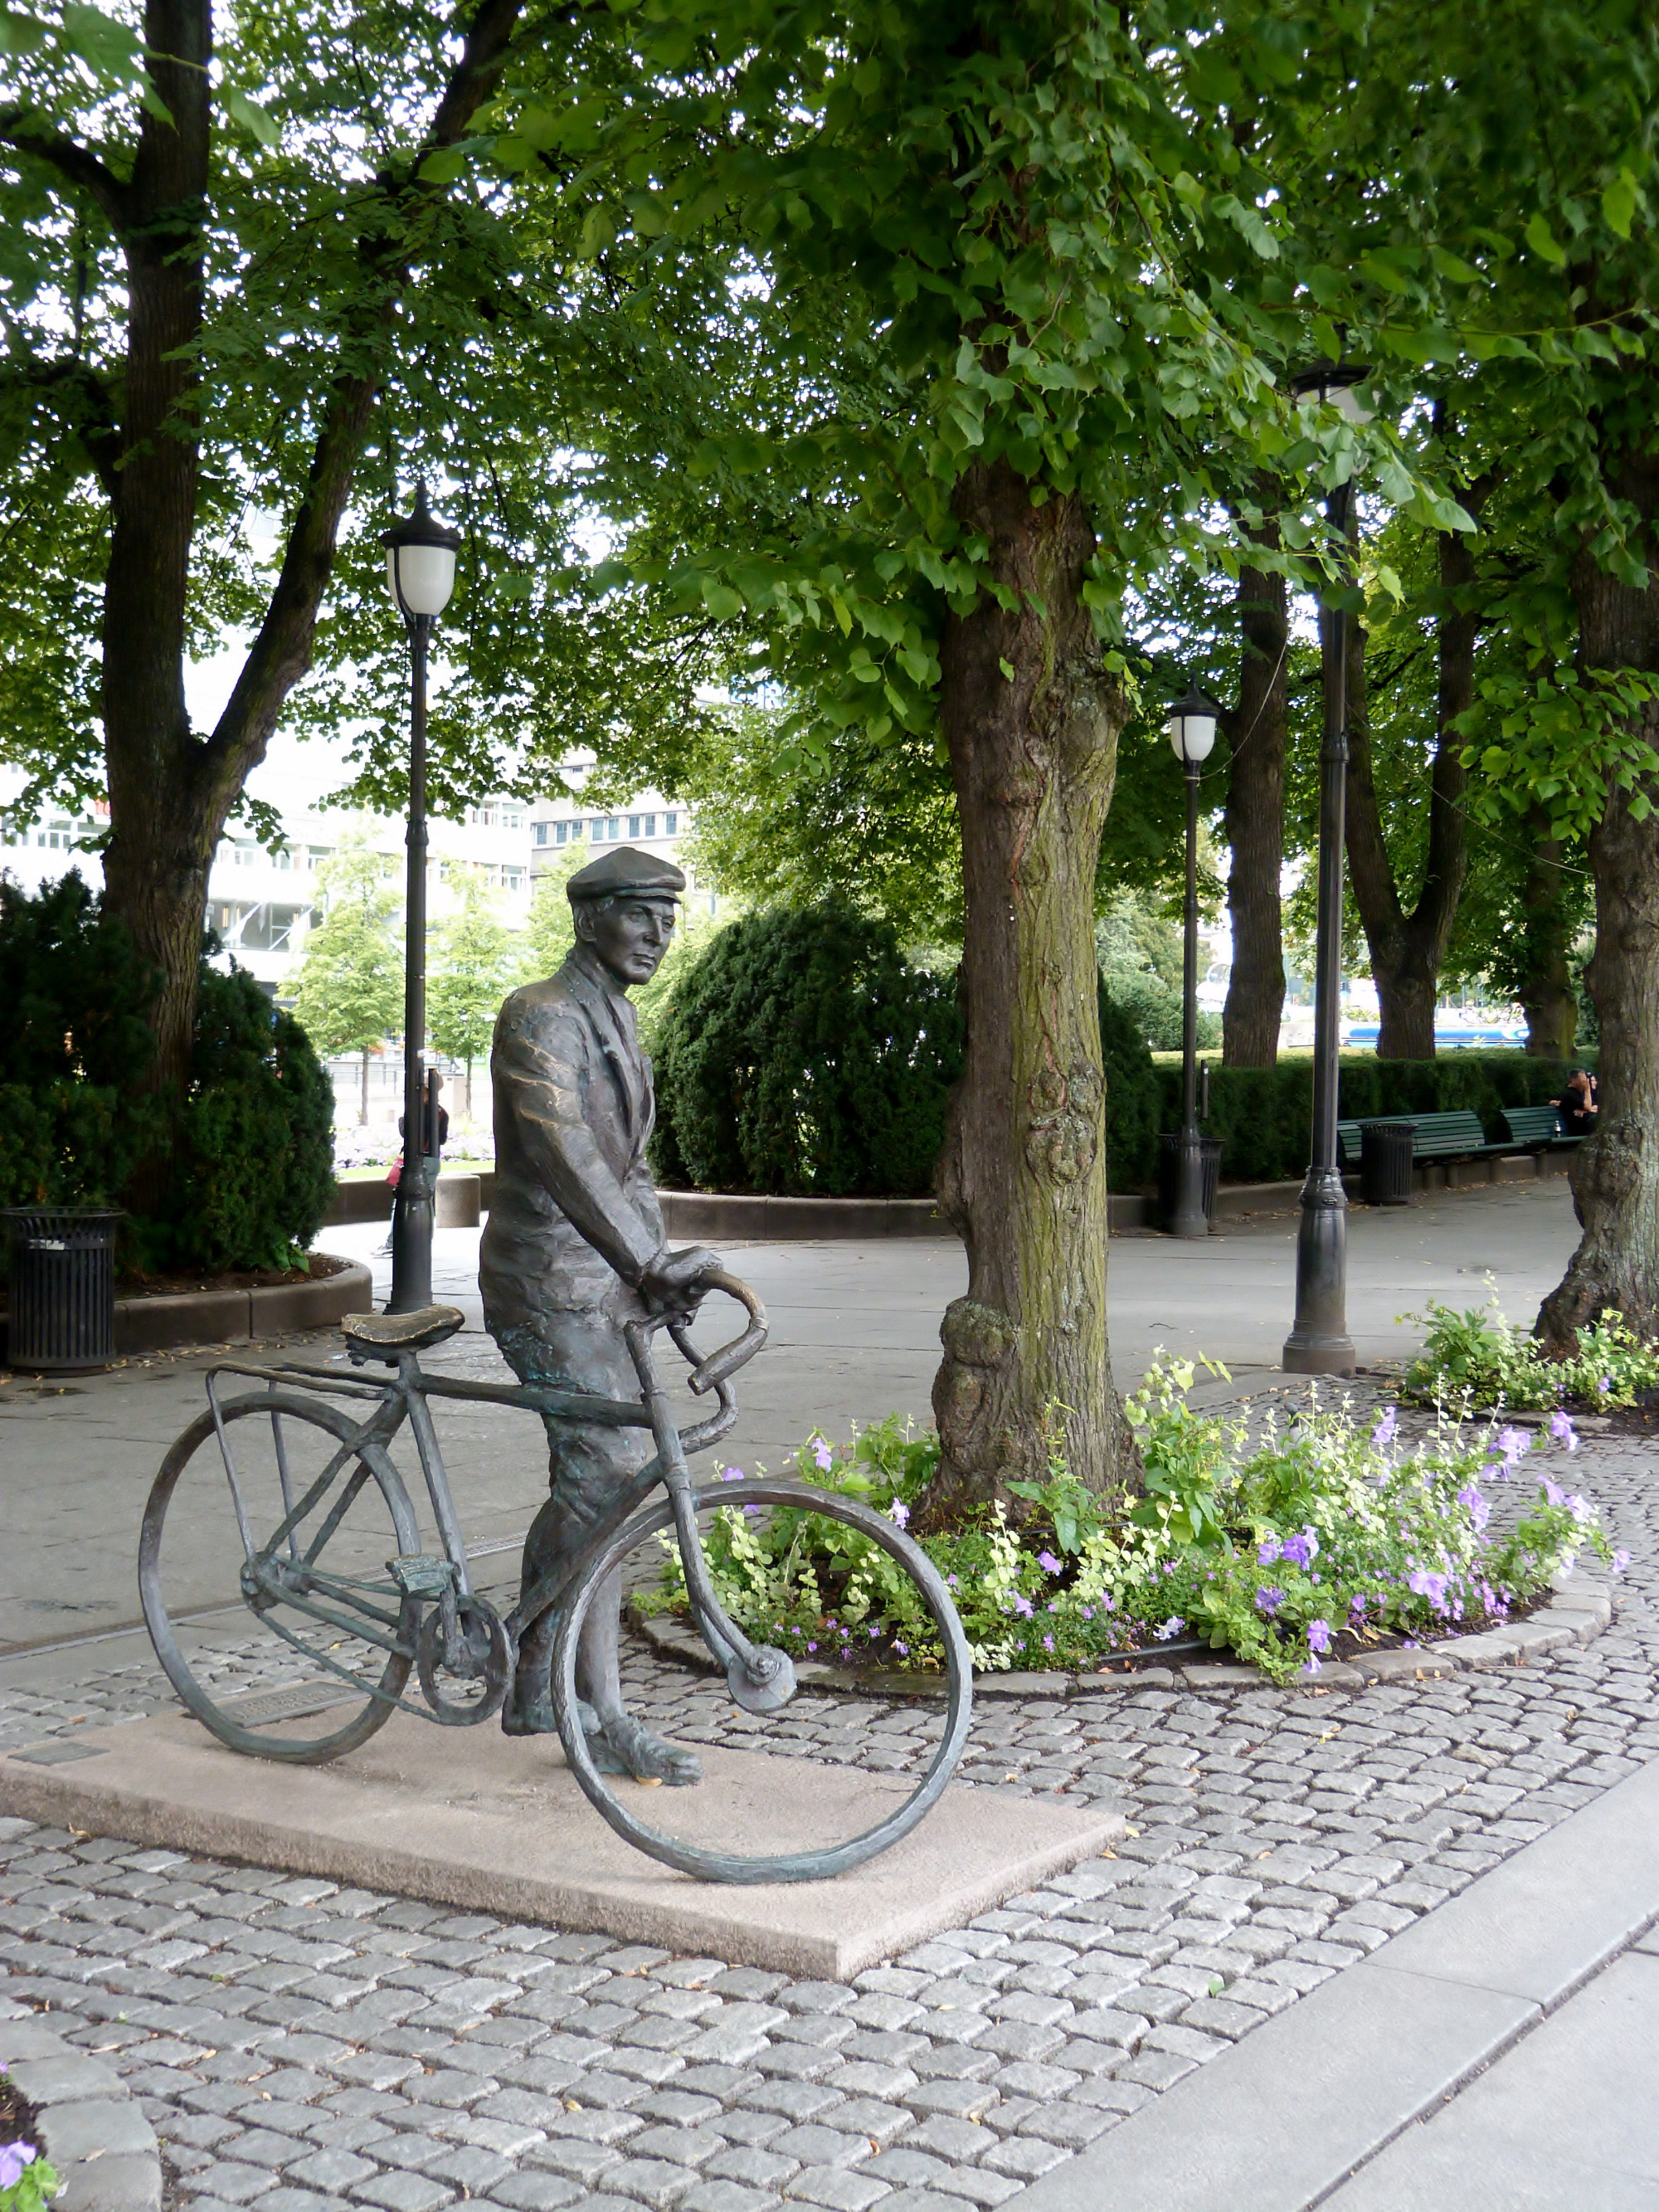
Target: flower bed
<point>1324,1536</point>
<point>27,2183</point>
<point>1477,1358</point>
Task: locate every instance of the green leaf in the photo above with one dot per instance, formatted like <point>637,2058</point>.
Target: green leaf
<point>111,48</point>
<point>250,116</point>
<point>20,34</point>
<point>443,165</point>
<point>1618,203</point>
<point>1007,668</point>
<point>721,601</point>
<point>1541,238</point>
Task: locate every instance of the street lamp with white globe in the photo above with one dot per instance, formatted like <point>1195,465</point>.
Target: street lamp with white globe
<point>420,574</point>
<point>1192,721</point>
<point>1319,1343</point>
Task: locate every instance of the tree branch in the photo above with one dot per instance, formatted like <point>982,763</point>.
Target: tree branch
<point>281,654</point>
<point>72,162</point>
<point>95,422</point>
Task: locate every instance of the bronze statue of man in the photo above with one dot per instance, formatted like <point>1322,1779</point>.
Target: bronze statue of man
<point>574,1248</point>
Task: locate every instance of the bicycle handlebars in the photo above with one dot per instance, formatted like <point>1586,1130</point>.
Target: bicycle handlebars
<point>725,1362</point>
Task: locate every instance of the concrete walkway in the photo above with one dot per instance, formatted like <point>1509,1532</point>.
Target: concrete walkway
<point>1502,2056</point>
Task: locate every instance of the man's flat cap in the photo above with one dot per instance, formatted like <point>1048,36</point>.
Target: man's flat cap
<point>626,873</point>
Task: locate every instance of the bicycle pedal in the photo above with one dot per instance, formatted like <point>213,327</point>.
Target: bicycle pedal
<point>421,1574</point>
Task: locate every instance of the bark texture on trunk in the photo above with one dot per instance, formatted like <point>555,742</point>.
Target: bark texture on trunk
<point>1615,1176</point>
<point>1256,824</point>
<point>1022,1176</point>
<point>1408,946</point>
<point>1546,995</point>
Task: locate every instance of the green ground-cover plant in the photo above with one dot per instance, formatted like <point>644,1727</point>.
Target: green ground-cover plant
<point>1481,1358</point>
<point>1328,1531</point>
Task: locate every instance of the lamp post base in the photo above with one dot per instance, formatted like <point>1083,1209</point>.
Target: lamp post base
<point>1188,1217</point>
<point>412,1222</point>
<point>1319,1344</point>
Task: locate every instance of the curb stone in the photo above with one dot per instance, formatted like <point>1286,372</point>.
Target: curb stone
<point>1580,1608</point>
<point>95,2134</point>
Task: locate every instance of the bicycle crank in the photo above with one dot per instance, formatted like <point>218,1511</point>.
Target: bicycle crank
<point>472,1650</point>
<point>763,1682</point>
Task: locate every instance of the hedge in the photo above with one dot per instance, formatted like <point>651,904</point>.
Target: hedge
<point>1263,1114</point>
<point>253,1141</point>
<point>801,1054</point>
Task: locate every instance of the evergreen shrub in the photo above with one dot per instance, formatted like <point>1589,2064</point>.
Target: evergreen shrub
<point>1133,1092</point>
<point>253,1144</point>
<point>801,1054</point>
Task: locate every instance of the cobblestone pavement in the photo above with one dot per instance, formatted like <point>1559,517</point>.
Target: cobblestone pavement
<point>300,2046</point>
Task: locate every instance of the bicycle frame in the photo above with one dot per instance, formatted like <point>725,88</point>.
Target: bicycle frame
<point>404,1397</point>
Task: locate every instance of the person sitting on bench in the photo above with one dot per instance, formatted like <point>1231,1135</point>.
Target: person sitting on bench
<point>1577,1105</point>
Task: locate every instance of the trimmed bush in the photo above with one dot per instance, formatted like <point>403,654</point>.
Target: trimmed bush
<point>253,1144</point>
<point>1133,1092</point>
<point>1263,1114</point>
<point>802,1054</point>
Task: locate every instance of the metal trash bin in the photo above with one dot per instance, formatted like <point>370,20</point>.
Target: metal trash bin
<point>1385,1162</point>
<point>1168,1156</point>
<point>61,1287</point>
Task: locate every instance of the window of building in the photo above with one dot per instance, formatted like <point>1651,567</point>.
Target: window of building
<point>57,836</point>
<point>513,879</point>
<point>672,821</point>
<point>512,818</point>
<point>541,832</point>
<point>650,826</point>
<point>613,827</point>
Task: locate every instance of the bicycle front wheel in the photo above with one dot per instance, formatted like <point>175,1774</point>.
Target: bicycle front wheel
<point>842,1779</point>
<point>263,1569</point>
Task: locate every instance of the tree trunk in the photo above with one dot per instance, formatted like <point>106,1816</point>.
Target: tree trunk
<point>1546,995</point>
<point>1256,824</point>
<point>171,791</point>
<point>362,1107</point>
<point>1023,1178</point>
<point>155,868</point>
<point>1407,948</point>
<point>1615,1175</point>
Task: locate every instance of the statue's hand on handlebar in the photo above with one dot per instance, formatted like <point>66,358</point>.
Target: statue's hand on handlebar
<point>675,1282</point>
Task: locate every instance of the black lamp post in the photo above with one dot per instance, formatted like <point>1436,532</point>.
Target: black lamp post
<point>1193,719</point>
<point>420,571</point>
<point>1319,1343</point>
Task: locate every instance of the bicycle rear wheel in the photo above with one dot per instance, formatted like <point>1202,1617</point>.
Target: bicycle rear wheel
<point>302,1531</point>
<point>832,1790</point>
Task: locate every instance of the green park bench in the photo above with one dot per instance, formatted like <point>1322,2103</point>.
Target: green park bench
<point>1455,1136</point>
<point>1534,1128</point>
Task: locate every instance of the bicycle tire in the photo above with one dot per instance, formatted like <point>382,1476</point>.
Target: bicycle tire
<point>711,1865</point>
<point>401,1532</point>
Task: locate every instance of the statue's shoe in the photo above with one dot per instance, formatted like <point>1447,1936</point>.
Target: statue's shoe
<point>535,1717</point>
<point>625,1745</point>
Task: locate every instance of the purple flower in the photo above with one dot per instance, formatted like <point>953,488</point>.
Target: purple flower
<point>1479,1511</point>
<point>1171,1628</point>
<point>1300,1550</point>
<point>811,1647</point>
<point>1621,1560</point>
<point>1553,1494</point>
<point>1048,1563</point>
<point>1089,1611</point>
<point>823,1455</point>
<point>731,1475</point>
<point>1580,1508</point>
<point>1311,1666</point>
<point>1384,1433</point>
<point>1604,1388</point>
<point>1268,1600</point>
<point>1357,1607</point>
<point>1266,1552</point>
<point>1561,1429</point>
<point>1430,1586</point>
<point>899,1513</point>
<point>875,1629</point>
<point>950,1583</point>
<point>13,2157</point>
<point>903,1650</point>
<point>1047,1642</point>
<point>1319,1636</point>
<point>1023,1608</point>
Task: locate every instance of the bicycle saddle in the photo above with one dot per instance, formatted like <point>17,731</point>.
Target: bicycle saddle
<point>383,1335</point>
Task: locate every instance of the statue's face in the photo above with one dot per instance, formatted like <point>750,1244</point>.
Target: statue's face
<point>630,935</point>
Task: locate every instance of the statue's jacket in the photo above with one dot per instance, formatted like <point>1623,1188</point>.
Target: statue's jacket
<point>575,1220</point>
